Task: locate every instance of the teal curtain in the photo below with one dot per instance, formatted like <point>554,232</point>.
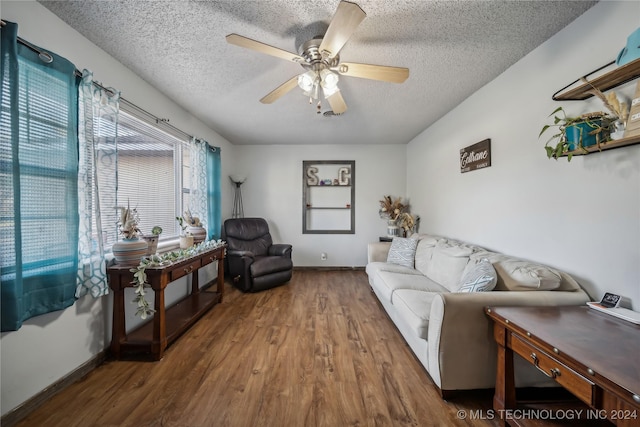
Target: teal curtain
<point>214,198</point>
<point>38,181</point>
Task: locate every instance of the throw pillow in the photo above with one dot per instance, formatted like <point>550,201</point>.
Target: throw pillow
<point>402,251</point>
<point>478,277</point>
<point>521,275</point>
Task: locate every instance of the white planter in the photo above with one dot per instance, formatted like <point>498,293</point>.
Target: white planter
<point>129,251</point>
<point>152,242</point>
<point>199,234</point>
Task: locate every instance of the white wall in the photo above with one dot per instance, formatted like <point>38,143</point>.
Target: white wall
<point>50,346</point>
<point>274,186</point>
<point>582,217</point>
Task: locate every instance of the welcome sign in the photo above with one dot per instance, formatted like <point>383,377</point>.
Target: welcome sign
<point>476,156</point>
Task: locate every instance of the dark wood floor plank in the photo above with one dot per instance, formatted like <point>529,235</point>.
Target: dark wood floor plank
<point>319,351</point>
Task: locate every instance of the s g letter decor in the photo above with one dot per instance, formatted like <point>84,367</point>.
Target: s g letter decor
<point>476,156</point>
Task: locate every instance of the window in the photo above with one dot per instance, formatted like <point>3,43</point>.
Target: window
<point>153,170</point>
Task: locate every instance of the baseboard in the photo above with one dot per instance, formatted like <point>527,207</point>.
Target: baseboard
<point>337,268</point>
<point>12,417</point>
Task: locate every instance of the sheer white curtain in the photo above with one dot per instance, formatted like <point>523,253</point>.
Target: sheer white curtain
<point>98,123</point>
<point>198,192</point>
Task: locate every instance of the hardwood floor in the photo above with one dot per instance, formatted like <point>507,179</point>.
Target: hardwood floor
<point>319,351</point>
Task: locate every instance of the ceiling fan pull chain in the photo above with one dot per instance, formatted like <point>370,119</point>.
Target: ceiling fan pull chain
<point>319,106</point>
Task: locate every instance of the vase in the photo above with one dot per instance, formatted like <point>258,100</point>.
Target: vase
<point>199,234</point>
<point>618,133</point>
<point>186,242</point>
<point>392,229</point>
<point>129,251</point>
<point>152,242</point>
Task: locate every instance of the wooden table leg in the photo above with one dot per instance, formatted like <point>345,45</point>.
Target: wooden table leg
<point>220,282</point>
<point>159,343</point>
<point>505,394</point>
<point>118,328</point>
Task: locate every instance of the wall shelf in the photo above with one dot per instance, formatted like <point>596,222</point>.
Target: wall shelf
<point>607,81</point>
<point>618,143</point>
<point>328,208</point>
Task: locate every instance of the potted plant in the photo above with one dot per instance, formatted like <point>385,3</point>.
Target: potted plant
<point>186,238</point>
<point>152,239</point>
<point>391,210</point>
<point>407,222</point>
<point>130,249</point>
<point>575,133</point>
<point>194,227</point>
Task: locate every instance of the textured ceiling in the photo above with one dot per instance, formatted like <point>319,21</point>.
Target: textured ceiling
<point>452,48</point>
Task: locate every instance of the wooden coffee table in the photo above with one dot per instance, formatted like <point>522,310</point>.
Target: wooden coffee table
<point>591,354</point>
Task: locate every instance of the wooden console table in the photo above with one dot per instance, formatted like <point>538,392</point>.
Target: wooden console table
<point>168,323</point>
<point>591,354</point>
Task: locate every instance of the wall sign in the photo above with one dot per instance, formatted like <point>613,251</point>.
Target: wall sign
<point>476,156</point>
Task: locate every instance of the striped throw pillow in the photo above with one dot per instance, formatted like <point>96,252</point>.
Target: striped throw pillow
<point>478,277</point>
<point>402,251</point>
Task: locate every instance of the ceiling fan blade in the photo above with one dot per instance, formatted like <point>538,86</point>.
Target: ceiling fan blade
<point>345,21</point>
<point>336,101</point>
<point>374,72</point>
<point>280,90</point>
<point>248,43</point>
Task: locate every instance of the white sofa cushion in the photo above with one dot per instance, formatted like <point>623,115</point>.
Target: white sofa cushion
<point>424,252</point>
<point>402,251</point>
<point>389,282</point>
<point>478,276</point>
<point>414,307</point>
<point>447,263</point>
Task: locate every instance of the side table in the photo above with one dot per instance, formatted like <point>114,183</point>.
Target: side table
<point>591,354</point>
<point>168,323</point>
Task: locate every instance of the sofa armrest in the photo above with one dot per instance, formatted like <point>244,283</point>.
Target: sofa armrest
<point>378,251</point>
<point>461,335</point>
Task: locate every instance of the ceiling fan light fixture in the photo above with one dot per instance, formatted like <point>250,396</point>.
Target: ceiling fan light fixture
<point>307,80</point>
<point>328,79</point>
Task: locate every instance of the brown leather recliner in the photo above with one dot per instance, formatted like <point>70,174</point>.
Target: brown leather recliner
<point>255,263</point>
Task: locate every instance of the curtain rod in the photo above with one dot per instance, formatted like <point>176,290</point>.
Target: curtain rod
<point>159,121</point>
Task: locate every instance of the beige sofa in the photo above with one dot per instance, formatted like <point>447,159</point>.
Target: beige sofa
<point>447,330</point>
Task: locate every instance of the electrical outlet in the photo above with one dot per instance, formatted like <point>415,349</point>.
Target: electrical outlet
<point>323,256</point>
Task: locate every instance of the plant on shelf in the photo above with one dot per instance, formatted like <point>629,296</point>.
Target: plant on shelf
<point>152,239</point>
<point>186,238</point>
<point>194,226</point>
<point>575,133</point>
<point>619,110</point>
<point>128,222</point>
<point>140,283</point>
<point>407,222</point>
<point>129,250</point>
<point>392,210</point>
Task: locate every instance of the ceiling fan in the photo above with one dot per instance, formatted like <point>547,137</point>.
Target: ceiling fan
<point>320,58</point>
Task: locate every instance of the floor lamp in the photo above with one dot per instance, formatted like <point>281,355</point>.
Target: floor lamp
<point>238,210</point>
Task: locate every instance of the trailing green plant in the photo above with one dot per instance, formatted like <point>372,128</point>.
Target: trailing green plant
<point>600,124</point>
<point>143,309</point>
